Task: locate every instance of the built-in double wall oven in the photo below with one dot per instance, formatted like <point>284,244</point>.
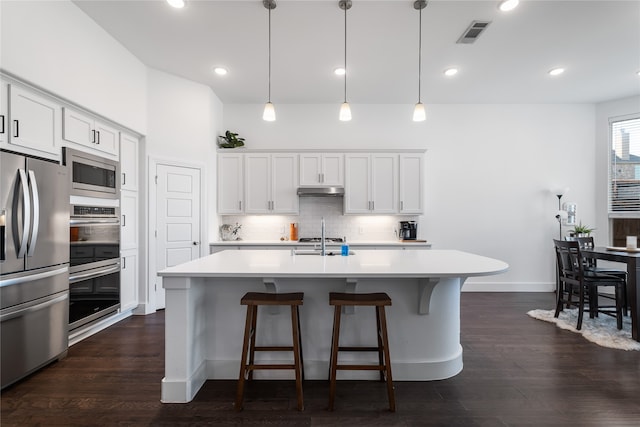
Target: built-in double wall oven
<point>94,236</point>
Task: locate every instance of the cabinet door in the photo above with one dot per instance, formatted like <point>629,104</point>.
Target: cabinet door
<point>129,220</point>
<point>230,184</point>
<point>129,280</point>
<point>34,121</point>
<point>107,138</point>
<point>333,169</point>
<point>356,185</point>
<point>257,183</point>
<point>78,127</point>
<point>4,113</point>
<point>128,162</point>
<point>384,183</point>
<point>310,169</point>
<point>411,185</point>
<point>284,182</point>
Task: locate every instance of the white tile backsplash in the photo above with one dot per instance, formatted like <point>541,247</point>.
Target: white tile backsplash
<point>312,210</point>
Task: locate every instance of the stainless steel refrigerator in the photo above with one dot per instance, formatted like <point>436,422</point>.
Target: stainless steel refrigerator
<point>34,264</point>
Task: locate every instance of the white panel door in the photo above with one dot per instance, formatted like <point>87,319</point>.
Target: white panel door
<point>257,186</point>
<point>34,120</point>
<point>357,183</point>
<point>178,219</point>
<point>411,185</point>
<point>384,183</point>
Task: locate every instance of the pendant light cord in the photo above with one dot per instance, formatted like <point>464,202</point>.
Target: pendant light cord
<point>420,57</point>
<point>345,54</point>
<point>269,53</point>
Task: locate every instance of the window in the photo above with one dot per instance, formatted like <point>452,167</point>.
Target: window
<point>624,171</point>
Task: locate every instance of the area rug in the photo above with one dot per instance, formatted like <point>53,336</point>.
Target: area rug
<point>602,330</point>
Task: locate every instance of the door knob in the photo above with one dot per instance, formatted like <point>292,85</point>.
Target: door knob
<point>196,243</point>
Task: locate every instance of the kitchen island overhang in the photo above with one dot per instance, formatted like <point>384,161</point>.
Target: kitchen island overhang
<point>204,318</point>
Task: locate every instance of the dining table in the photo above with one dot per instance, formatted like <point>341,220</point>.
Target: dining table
<point>630,257</point>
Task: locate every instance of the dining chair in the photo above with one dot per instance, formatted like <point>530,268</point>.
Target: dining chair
<point>574,278</point>
<point>591,264</point>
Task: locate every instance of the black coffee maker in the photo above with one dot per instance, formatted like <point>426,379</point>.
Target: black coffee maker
<point>408,230</point>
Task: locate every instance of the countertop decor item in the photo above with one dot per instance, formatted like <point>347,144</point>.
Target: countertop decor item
<point>581,230</point>
<point>230,140</point>
<point>229,232</point>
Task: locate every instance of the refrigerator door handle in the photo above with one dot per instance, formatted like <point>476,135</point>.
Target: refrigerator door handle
<point>94,273</point>
<point>36,213</point>
<point>33,277</point>
<point>26,213</point>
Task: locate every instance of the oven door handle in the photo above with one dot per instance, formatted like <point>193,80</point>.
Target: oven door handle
<point>74,221</point>
<point>94,273</point>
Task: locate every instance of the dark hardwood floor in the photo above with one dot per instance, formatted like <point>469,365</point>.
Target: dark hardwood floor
<point>517,371</point>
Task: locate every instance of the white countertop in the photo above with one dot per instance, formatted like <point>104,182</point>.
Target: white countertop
<point>286,243</point>
<point>365,263</point>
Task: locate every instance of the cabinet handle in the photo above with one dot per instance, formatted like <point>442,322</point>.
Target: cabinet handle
<point>93,136</point>
<point>124,220</point>
<point>2,115</point>
<point>239,204</point>
<point>322,178</point>
<point>124,263</point>
<point>319,178</point>
<point>17,123</point>
<point>124,178</point>
<point>98,132</point>
<point>401,205</point>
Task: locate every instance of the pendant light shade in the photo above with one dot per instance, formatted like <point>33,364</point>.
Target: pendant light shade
<point>269,113</point>
<point>419,114</point>
<point>345,110</point>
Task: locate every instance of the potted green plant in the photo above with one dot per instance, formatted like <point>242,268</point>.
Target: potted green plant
<point>581,230</point>
<point>230,140</point>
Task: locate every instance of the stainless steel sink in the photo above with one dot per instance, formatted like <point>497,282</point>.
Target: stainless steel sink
<point>318,252</point>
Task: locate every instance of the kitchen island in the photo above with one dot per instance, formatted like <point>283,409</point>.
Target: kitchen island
<point>204,320</point>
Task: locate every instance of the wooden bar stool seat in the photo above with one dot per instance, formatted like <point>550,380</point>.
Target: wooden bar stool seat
<point>379,301</point>
<point>252,300</point>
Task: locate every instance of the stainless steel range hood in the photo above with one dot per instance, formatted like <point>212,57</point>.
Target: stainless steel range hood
<point>321,191</point>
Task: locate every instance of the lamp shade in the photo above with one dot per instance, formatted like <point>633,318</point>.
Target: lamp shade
<point>269,113</point>
<point>345,112</point>
<point>419,114</point>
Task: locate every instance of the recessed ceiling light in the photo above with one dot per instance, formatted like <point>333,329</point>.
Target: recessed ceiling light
<point>638,72</point>
<point>340,71</point>
<point>450,72</point>
<point>178,4</point>
<point>221,71</point>
<point>508,5</point>
<point>556,71</point>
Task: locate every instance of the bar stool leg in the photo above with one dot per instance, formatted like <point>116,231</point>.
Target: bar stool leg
<point>243,360</point>
<point>380,344</point>
<point>252,346</point>
<point>387,359</point>
<point>334,355</point>
<point>300,344</point>
<point>296,354</point>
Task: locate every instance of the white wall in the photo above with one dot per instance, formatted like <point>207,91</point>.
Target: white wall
<point>54,45</point>
<point>489,170</point>
<point>605,111</point>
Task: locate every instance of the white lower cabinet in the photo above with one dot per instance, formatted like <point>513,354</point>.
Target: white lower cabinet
<point>128,220</point>
<point>129,280</point>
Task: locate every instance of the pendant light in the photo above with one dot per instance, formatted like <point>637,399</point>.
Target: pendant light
<point>419,114</point>
<point>345,110</point>
<point>269,113</point>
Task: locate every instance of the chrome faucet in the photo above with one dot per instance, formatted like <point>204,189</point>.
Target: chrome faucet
<point>323,246</point>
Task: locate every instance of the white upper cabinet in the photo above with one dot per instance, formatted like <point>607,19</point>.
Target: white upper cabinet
<point>411,184</point>
<point>230,184</point>
<point>321,169</point>
<point>32,126</point>
<point>4,113</point>
<point>371,183</point>
<point>84,130</point>
<point>271,181</point>
<point>128,162</point>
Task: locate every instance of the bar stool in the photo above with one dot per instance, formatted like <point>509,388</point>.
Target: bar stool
<point>379,301</point>
<point>252,300</point>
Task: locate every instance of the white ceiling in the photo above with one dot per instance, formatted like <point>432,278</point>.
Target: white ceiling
<point>598,42</point>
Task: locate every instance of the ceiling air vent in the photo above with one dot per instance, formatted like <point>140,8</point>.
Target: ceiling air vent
<point>473,31</point>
